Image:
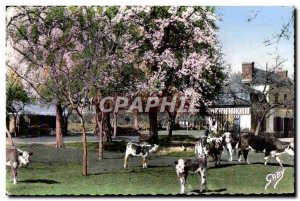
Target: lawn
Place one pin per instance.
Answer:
(65, 179)
(50, 174)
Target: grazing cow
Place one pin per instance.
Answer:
(142, 150)
(229, 143)
(183, 167)
(15, 158)
(271, 146)
(208, 146)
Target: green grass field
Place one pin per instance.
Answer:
(65, 179)
(52, 173)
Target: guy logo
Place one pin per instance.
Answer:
(274, 178)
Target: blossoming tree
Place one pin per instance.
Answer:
(178, 48)
(40, 41)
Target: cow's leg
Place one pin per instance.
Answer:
(278, 160)
(13, 175)
(240, 156)
(245, 154)
(229, 151)
(126, 160)
(266, 160)
(182, 179)
(267, 155)
(203, 182)
(216, 157)
(221, 154)
(219, 158)
(144, 162)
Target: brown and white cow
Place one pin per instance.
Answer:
(142, 150)
(271, 146)
(197, 165)
(15, 158)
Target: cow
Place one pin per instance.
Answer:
(216, 150)
(207, 146)
(229, 144)
(142, 150)
(202, 147)
(197, 165)
(271, 146)
(15, 158)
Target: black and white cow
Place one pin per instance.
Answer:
(197, 165)
(271, 146)
(15, 158)
(229, 143)
(207, 146)
(142, 150)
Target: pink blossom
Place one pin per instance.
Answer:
(56, 33)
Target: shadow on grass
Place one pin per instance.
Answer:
(255, 163)
(273, 164)
(209, 191)
(43, 181)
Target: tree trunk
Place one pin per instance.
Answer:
(99, 130)
(15, 125)
(153, 132)
(136, 121)
(7, 122)
(84, 146)
(259, 122)
(65, 125)
(171, 124)
(58, 130)
(106, 127)
(257, 127)
(115, 124)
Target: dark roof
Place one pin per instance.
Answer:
(233, 94)
(262, 77)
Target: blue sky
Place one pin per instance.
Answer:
(242, 41)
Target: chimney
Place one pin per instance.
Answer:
(247, 71)
(282, 74)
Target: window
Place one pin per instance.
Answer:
(285, 100)
(278, 124)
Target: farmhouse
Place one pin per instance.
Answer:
(235, 107)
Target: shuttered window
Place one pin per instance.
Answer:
(278, 124)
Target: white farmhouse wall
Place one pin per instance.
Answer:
(245, 122)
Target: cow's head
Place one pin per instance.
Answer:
(154, 148)
(217, 143)
(290, 149)
(24, 157)
(180, 164)
(226, 138)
